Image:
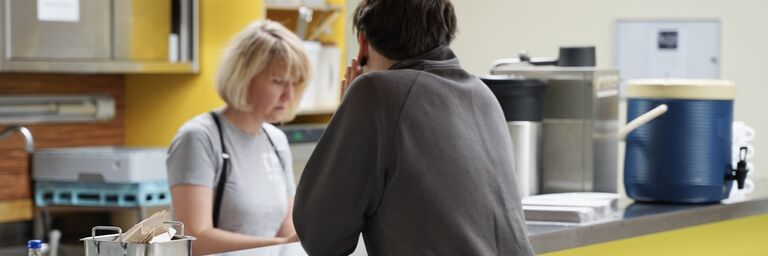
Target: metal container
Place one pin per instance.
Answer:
(520, 99)
(112, 245)
(580, 122)
(526, 138)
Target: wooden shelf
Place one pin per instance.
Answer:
(322, 28)
(322, 18)
(15, 210)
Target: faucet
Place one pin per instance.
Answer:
(29, 142)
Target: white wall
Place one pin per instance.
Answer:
(491, 29)
(349, 36)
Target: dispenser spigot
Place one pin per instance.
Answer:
(740, 174)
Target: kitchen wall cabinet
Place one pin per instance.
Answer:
(99, 36)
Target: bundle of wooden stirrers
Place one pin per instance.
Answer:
(150, 230)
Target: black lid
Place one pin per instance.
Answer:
(507, 85)
(520, 98)
(576, 56)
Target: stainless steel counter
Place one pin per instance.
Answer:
(636, 219)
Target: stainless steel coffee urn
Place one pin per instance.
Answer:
(580, 122)
(520, 100)
(579, 145)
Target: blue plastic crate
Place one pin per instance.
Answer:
(153, 193)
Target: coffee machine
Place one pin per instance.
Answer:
(580, 106)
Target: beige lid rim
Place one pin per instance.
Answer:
(694, 89)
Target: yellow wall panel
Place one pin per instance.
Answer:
(156, 105)
(150, 28)
(340, 26)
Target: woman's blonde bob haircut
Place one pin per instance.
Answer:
(262, 46)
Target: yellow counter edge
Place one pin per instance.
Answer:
(743, 236)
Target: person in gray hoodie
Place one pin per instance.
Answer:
(418, 157)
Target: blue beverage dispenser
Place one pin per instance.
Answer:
(678, 144)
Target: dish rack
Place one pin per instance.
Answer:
(154, 193)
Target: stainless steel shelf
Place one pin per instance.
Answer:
(95, 67)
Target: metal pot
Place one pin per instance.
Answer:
(112, 245)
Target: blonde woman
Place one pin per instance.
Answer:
(230, 170)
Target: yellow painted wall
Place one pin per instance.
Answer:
(150, 29)
(745, 236)
(156, 105)
(338, 37)
(339, 27)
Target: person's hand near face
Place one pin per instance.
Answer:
(353, 71)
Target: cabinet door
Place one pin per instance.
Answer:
(58, 29)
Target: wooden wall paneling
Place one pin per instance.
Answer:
(14, 179)
(14, 166)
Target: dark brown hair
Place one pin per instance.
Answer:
(402, 29)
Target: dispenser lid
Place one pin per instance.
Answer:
(691, 89)
(512, 85)
(520, 98)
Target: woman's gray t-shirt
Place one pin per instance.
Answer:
(258, 187)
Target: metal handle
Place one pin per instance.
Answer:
(641, 120)
(503, 62)
(176, 223)
(523, 57)
(29, 142)
(98, 243)
(119, 231)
